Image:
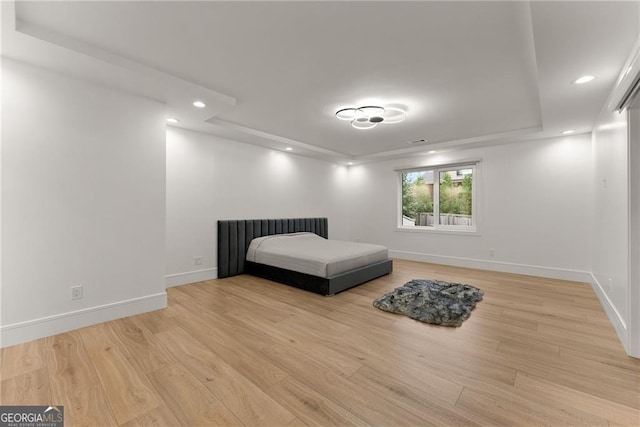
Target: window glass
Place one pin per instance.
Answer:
(456, 197)
(441, 197)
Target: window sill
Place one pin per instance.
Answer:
(431, 230)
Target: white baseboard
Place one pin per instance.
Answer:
(614, 316)
(30, 330)
(505, 267)
(191, 277)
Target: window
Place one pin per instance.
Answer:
(439, 197)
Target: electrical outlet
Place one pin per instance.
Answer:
(492, 252)
(197, 260)
(76, 292)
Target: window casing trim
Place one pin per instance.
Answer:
(436, 167)
(439, 165)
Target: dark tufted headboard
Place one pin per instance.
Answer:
(234, 237)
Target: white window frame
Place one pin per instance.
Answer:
(475, 166)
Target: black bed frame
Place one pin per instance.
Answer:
(234, 237)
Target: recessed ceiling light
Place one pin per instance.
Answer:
(583, 79)
(172, 120)
(199, 104)
(350, 163)
(289, 149)
(431, 152)
(568, 132)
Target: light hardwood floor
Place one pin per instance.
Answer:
(246, 351)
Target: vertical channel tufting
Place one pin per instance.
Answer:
(234, 238)
(233, 247)
(248, 233)
(223, 249)
(242, 246)
(257, 228)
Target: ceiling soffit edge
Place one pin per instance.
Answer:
(448, 145)
(176, 87)
(169, 88)
(275, 138)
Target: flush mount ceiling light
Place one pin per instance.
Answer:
(172, 120)
(583, 79)
(199, 104)
(369, 116)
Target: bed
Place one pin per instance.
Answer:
(340, 273)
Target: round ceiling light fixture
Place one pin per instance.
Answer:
(370, 111)
(394, 115)
(368, 116)
(363, 124)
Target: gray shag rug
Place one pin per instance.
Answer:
(432, 301)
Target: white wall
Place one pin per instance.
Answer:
(211, 178)
(534, 202)
(633, 301)
(609, 260)
(83, 203)
(616, 233)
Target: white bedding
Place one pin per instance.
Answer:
(311, 254)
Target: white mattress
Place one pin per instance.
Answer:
(311, 254)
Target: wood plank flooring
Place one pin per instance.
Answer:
(246, 351)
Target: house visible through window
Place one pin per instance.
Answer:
(439, 197)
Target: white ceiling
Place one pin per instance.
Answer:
(274, 73)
